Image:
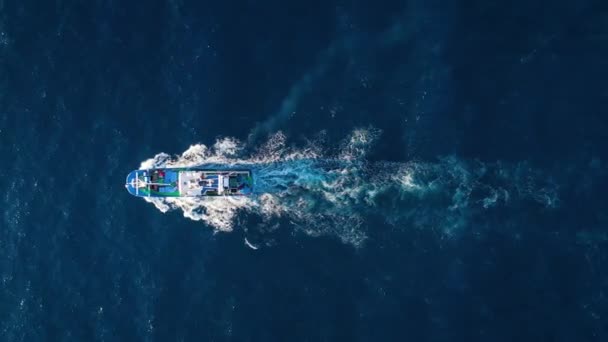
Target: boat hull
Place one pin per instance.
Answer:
(189, 182)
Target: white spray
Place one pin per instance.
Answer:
(322, 191)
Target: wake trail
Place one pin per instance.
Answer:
(323, 191)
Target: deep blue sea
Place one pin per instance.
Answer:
(426, 170)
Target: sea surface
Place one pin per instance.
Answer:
(425, 170)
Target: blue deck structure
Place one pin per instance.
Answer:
(189, 183)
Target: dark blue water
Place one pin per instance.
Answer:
(496, 110)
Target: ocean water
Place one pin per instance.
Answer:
(425, 170)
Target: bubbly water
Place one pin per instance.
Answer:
(332, 191)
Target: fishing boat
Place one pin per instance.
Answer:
(188, 182)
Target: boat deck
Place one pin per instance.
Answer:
(197, 183)
(189, 183)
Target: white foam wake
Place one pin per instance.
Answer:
(324, 191)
